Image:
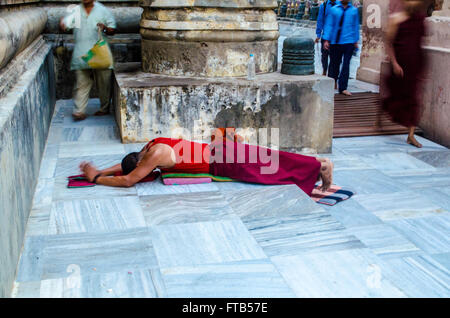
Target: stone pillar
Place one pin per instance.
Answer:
(375, 20)
(18, 28)
(435, 120)
(208, 38)
(445, 9)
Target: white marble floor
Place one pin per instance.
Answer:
(235, 239)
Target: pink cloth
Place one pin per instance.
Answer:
(292, 168)
(181, 181)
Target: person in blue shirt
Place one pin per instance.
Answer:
(341, 35)
(324, 11)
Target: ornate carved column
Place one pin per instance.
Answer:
(208, 38)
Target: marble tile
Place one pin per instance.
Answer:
(443, 258)
(204, 243)
(271, 202)
(394, 163)
(67, 150)
(97, 215)
(350, 213)
(238, 186)
(438, 195)
(59, 256)
(440, 177)
(39, 221)
(48, 166)
(88, 134)
(138, 284)
(418, 276)
(303, 233)
(258, 278)
(31, 260)
(348, 162)
(399, 205)
(349, 273)
(439, 159)
(70, 166)
(26, 290)
(384, 241)
(366, 181)
(91, 253)
(44, 193)
(387, 143)
(55, 135)
(158, 188)
(90, 120)
(431, 234)
(62, 192)
(51, 151)
(185, 208)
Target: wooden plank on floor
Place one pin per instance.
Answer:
(355, 116)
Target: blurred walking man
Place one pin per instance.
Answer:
(92, 15)
(341, 35)
(324, 11)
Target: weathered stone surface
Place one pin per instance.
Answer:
(25, 114)
(436, 114)
(375, 19)
(150, 105)
(18, 29)
(208, 38)
(211, 59)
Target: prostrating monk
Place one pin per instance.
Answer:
(222, 157)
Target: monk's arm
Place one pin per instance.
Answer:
(148, 164)
(111, 170)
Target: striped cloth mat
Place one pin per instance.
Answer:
(333, 195)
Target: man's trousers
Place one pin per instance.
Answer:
(85, 80)
(340, 53)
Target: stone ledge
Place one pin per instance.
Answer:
(25, 114)
(150, 105)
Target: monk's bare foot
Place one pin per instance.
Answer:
(412, 141)
(346, 92)
(326, 173)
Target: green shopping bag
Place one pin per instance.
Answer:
(99, 56)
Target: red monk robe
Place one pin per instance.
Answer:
(243, 162)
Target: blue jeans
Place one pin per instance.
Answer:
(340, 53)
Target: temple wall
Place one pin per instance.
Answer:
(27, 99)
(435, 120)
(25, 114)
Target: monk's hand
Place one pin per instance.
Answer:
(326, 45)
(89, 170)
(317, 40)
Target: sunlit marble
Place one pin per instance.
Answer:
(349, 273)
(185, 208)
(99, 215)
(431, 234)
(256, 278)
(236, 239)
(204, 243)
(398, 205)
(384, 241)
